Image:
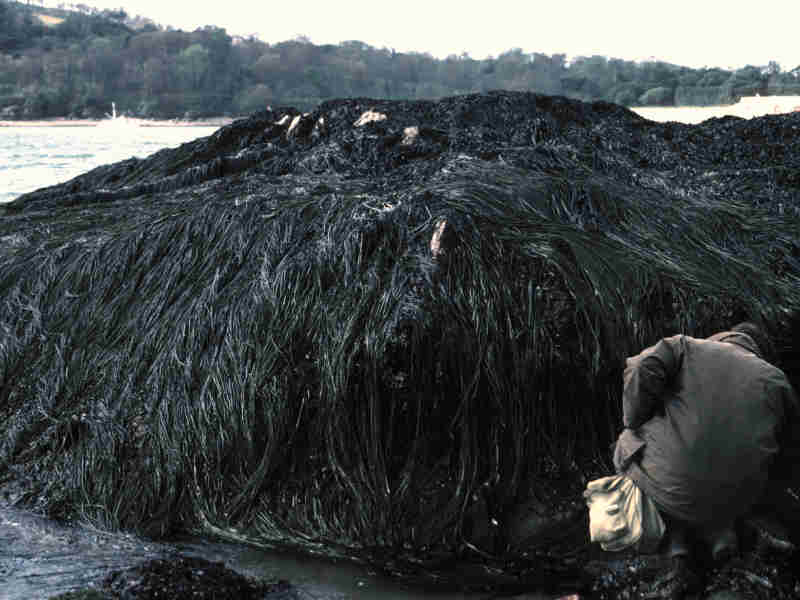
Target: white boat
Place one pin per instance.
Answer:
(115, 120)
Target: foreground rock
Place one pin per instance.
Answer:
(387, 331)
(181, 577)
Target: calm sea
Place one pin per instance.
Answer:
(36, 157)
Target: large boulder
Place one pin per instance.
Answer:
(379, 336)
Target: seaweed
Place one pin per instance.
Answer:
(377, 340)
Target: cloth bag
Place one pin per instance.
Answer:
(622, 516)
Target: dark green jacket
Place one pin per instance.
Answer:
(703, 420)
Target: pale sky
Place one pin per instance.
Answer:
(694, 33)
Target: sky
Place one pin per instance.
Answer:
(696, 33)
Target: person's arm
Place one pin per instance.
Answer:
(646, 376)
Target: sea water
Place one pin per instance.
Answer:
(36, 157)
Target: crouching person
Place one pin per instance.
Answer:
(704, 421)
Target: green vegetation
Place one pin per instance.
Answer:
(79, 66)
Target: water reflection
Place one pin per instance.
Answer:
(318, 578)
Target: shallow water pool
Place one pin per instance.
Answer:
(40, 558)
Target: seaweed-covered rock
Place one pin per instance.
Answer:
(383, 330)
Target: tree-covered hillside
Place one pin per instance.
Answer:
(57, 62)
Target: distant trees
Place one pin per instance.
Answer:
(193, 64)
(17, 28)
(91, 58)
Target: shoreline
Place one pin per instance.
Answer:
(213, 122)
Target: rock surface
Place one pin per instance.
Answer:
(181, 577)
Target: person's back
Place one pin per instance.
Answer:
(705, 421)
(713, 432)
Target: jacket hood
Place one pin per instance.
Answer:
(740, 339)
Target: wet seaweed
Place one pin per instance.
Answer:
(373, 342)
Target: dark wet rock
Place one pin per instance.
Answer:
(751, 575)
(182, 577)
(87, 594)
(178, 578)
(727, 595)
